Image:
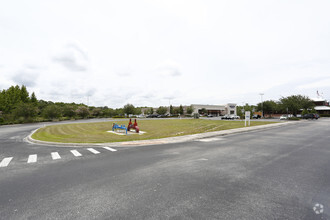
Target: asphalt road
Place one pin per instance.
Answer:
(278, 173)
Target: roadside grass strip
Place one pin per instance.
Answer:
(5, 162)
(32, 158)
(101, 132)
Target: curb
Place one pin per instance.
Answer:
(168, 140)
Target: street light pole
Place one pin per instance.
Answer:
(262, 105)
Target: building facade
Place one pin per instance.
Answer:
(321, 105)
(216, 110)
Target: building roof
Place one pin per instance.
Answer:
(209, 107)
(318, 99)
(323, 108)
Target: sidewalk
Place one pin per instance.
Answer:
(169, 140)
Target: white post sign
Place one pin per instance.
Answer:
(247, 117)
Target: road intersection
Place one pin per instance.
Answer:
(275, 173)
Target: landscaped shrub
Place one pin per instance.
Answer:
(294, 119)
(324, 115)
(118, 116)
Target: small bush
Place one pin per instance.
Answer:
(324, 115)
(118, 116)
(294, 119)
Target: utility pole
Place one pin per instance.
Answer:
(262, 105)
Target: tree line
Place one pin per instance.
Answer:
(294, 104)
(17, 106)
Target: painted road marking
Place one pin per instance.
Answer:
(32, 158)
(93, 150)
(209, 139)
(110, 149)
(76, 153)
(318, 208)
(5, 161)
(55, 156)
(202, 159)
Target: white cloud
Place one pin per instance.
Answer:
(315, 85)
(168, 68)
(145, 52)
(73, 58)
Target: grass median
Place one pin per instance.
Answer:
(98, 132)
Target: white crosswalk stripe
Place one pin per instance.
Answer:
(110, 149)
(32, 158)
(76, 153)
(55, 156)
(93, 150)
(5, 161)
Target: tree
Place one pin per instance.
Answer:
(96, 112)
(176, 111)
(24, 94)
(150, 111)
(171, 110)
(138, 111)
(107, 112)
(129, 109)
(25, 110)
(51, 111)
(161, 110)
(204, 111)
(34, 99)
(181, 111)
(190, 110)
(296, 102)
(242, 109)
(268, 107)
(69, 111)
(83, 111)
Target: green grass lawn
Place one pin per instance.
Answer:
(97, 132)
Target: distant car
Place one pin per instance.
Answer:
(152, 116)
(256, 116)
(283, 117)
(311, 116)
(224, 117)
(210, 116)
(229, 117)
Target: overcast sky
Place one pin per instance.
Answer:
(152, 52)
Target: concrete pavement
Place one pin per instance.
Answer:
(278, 173)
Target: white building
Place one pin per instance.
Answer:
(321, 105)
(216, 110)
